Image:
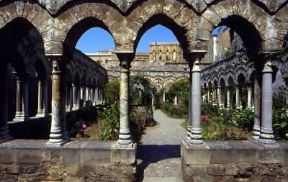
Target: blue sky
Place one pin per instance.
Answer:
(97, 39)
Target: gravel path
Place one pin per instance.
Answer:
(159, 153)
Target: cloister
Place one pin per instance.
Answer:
(38, 38)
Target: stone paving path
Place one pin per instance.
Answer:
(159, 151)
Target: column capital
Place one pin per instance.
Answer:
(267, 67)
(194, 56)
(56, 60)
(125, 58)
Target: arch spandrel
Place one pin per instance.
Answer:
(73, 22)
(245, 9)
(174, 15)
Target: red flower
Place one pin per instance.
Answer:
(204, 118)
(83, 126)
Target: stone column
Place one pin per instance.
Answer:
(26, 98)
(267, 135)
(94, 96)
(188, 137)
(125, 134)
(196, 105)
(78, 97)
(74, 95)
(4, 131)
(58, 123)
(164, 96)
(40, 109)
(46, 97)
(257, 106)
(229, 97)
(71, 97)
(219, 94)
(209, 95)
(237, 97)
(214, 96)
(19, 100)
(249, 96)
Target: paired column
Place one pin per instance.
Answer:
(58, 133)
(257, 107)
(188, 137)
(249, 96)
(229, 97)
(40, 108)
(26, 98)
(238, 104)
(74, 95)
(219, 95)
(19, 100)
(125, 134)
(267, 135)
(4, 131)
(195, 100)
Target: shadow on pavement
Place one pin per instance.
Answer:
(149, 154)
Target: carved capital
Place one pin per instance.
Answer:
(194, 58)
(267, 67)
(125, 59)
(55, 61)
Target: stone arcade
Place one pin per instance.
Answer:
(37, 33)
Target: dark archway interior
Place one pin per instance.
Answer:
(248, 33)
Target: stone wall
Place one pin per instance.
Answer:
(34, 160)
(235, 161)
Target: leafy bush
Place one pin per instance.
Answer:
(244, 118)
(280, 115)
(280, 123)
(216, 128)
(175, 111)
(111, 92)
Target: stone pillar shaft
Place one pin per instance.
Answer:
(237, 97)
(46, 97)
(58, 124)
(74, 95)
(249, 96)
(19, 100)
(257, 108)
(4, 131)
(196, 106)
(228, 97)
(26, 99)
(267, 135)
(124, 133)
(188, 137)
(40, 109)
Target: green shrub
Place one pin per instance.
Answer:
(244, 118)
(175, 111)
(280, 123)
(111, 92)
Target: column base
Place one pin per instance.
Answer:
(40, 114)
(256, 133)
(267, 136)
(188, 135)
(56, 143)
(120, 145)
(19, 117)
(124, 139)
(195, 136)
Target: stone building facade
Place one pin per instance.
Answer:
(162, 65)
